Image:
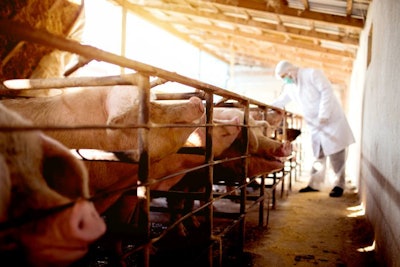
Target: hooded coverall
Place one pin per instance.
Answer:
(314, 94)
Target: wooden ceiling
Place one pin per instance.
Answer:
(314, 33)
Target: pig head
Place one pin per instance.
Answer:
(259, 144)
(224, 134)
(39, 174)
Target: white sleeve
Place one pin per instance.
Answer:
(282, 100)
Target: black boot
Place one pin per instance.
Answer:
(308, 189)
(336, 192)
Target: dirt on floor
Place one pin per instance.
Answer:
(307, 229)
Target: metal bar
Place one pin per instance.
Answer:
(144, 162)
(25, 32)
(51, 83)
(209, 157)
(243, 191)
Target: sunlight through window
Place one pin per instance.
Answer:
(368, 248)
(356, 211)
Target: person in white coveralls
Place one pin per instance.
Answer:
(329, 128)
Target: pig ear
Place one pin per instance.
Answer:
(253, 141)
(5, 189)
(121, 101)
(62, 171)
(262, 123)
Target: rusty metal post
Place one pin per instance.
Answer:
(143, 145)
(243, 191)
(262, 185)
(208, 159)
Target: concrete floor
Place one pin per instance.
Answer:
(308, 229)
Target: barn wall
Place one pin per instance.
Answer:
(375, 91)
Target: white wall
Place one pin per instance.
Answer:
(375, 93)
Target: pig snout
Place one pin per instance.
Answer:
(62, 239)
(284, 150)
(197, 105)
(196, 109)
(85, 222)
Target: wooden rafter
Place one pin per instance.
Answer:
(258, 33)
(347, 22)
(349, 7)
(208, 32)
(306, 5)
(273, 27)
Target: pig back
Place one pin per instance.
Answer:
(111, 106)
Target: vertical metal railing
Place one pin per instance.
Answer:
(210, 170)
(143, 146)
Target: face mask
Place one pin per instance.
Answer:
(288, 80)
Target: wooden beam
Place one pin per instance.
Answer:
(209, 32)
(349, 7)
(335, 68)
(267, 42)
(347, 22)
(218, 17)
(306, 5)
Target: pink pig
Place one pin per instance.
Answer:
(111, 106)
(38, 174)
(259, 143)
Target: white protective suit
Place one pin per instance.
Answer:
(315, 96)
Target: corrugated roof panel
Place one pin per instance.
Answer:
(333, 7)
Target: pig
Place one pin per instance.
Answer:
(117, 105)
(259, 143)
(224, 134)
(266, 152)
(275, 119)
(112, 106)
(37, 174)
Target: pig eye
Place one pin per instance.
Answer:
(56, 172)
